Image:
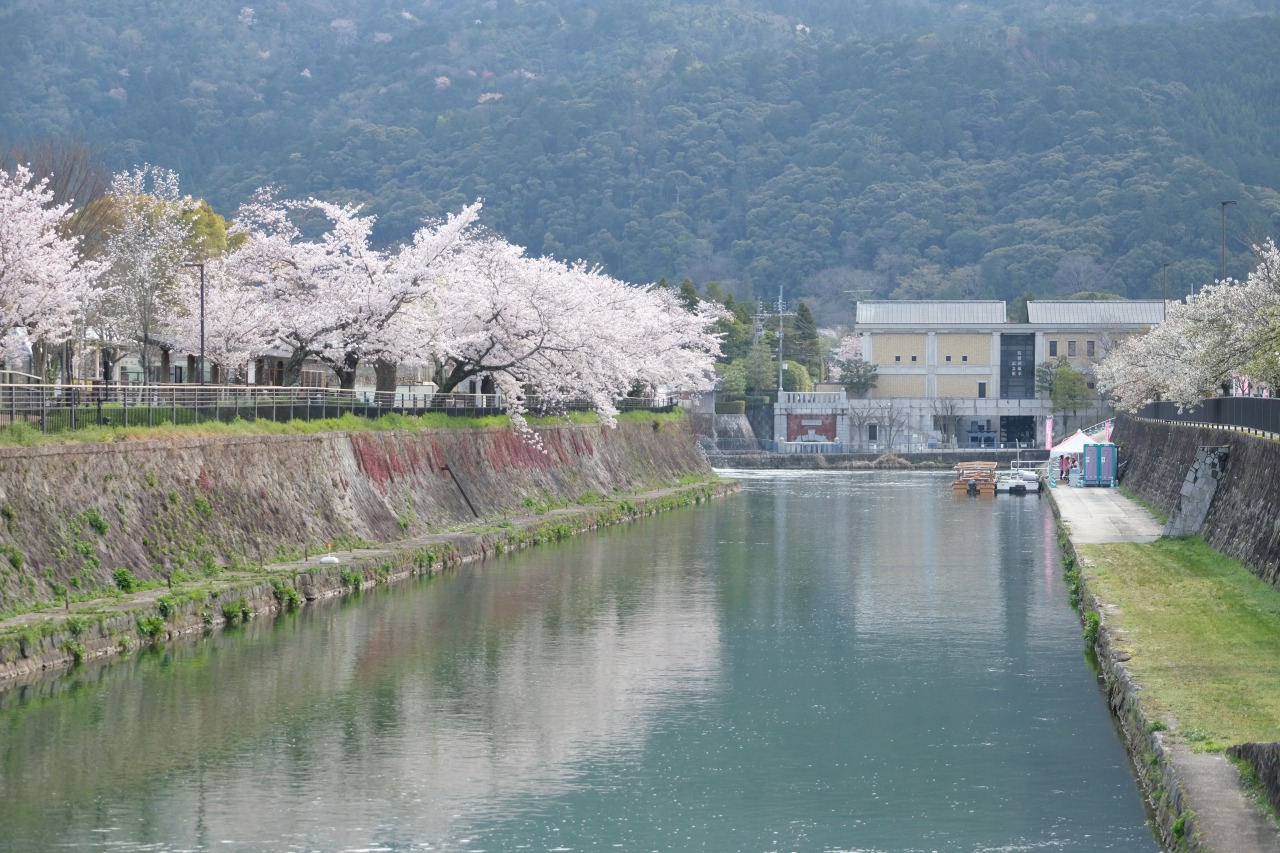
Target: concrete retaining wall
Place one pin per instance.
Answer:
(72, 515)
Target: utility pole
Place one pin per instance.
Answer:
(1224, 237)
(781, 311)
(200, 266)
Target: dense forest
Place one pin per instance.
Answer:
(888, 148)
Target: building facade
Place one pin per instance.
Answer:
(957, 373)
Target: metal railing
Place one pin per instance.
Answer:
(60, 408)
(1252, 414)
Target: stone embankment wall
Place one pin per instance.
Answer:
(1244, 519)
(72, 515)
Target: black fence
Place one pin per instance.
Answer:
(1252, 414)
(61, 408)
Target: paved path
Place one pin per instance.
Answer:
(1095, 516)
(1226, 821)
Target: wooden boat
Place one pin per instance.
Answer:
(975, 478)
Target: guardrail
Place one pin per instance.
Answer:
(1259, 415)
(59, 408)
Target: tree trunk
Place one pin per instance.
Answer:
(346, 371)
(293, 368)
(385, 382)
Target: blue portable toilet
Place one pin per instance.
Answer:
(1098, 465)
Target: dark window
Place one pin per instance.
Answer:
(982, 390)
(1088, 348)
(871, 432)
(1071, 348)
(948, 358)
(897, 358)
(1053, 349)
(964, 358)
(1017, 367)
(913, 358)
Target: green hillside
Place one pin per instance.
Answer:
(904, 149)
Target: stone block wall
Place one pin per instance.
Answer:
(1244, 518)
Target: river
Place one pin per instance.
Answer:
(853, 661)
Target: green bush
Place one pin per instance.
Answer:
(1091, 623)
(731, 407)
(151, 627)
(125, 580)
(94, 519)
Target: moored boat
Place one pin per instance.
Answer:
(975, 478)
(1019, 482)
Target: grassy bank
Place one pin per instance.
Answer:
(25, 435)
(1203, 633)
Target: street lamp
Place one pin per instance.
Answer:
(1224, 237)
(200, 265)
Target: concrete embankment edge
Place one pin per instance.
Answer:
(1162, 765)
(62, 640)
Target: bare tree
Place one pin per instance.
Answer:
(894, 420)
(76, 177)
(946, 418)
(859, 417)
(1077, 272)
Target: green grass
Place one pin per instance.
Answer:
(24, 435)
(1204, 635)
(1145, 504)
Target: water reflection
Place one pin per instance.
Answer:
(827, 661)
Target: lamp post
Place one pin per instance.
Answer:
(200, 265)
(1224, 237)
(1164, 281)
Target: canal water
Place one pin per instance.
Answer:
(825, 662)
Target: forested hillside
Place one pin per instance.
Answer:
(905, 149)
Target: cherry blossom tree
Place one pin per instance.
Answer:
(44, 283)
(561, 331)
(144, 251)
(1229, 329)
(336, 298)
(239, 323)
(848, 367)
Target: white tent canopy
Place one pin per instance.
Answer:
(1074, 444)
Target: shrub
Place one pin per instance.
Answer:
(151, 627)
(286, 595)
(15, 556)
(1091, 622)
(94, 519)
(125, 580)
(75, 649)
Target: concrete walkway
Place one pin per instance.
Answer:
(1226, 822)
(1095, 516)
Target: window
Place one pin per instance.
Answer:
(948, 358)
(1091, 385)
(1088, 348)
(897, 358)
(964, 358)
(913, 358)
(871, 432)
(1071, 348)
(982, 390)
(1053, 349)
